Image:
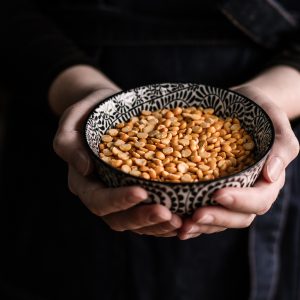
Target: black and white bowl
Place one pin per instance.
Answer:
(180, 198)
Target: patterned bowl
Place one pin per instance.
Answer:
(180, 198)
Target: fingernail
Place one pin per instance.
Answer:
(207, 219)
(274, 168)
(224, 199)
(82, 163)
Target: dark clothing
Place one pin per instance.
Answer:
(45, 37)
(48, 233)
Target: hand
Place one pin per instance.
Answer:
(116, 206)
(239, 206)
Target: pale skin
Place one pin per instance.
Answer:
(78, 89)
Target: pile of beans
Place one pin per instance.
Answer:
(179, 145)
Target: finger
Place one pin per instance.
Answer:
(190, 227)
(221, 217)
(138, 217)
(170, 234)
(207, 229)
(253, 200)
(68, 142)
(101, 200)
(188, 236)
(162, 229)
(199, 230)
(204, 230)
(286, 145)
(285, 148)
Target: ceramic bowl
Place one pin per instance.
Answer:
(180, 198)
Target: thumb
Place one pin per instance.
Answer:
(285, 147)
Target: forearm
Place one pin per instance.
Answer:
(282, 85)
(75, 83)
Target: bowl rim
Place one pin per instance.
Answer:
(171, 183)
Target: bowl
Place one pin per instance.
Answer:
(180, 198)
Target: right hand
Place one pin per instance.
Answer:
(116, 206)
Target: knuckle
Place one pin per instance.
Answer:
(282, 182)
(262, 210)
(294, 147)
(248, 221)
(116, 227)
(58, 144)
(236, 203)
(92, 203)
(66, 113)
(96, 210)
(71, 186)
(291, 143)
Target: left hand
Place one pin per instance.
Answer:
(239, 206)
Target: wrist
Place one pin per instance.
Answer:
(282, 85)
(73, 84)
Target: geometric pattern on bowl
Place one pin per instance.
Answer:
(180, 198)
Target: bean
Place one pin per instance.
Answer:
(180, 145)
